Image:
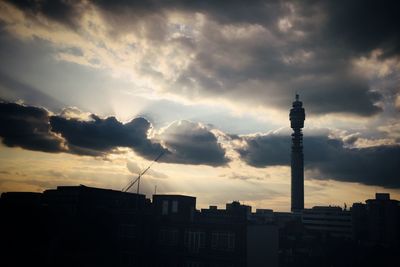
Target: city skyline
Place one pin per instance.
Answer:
(93, 91)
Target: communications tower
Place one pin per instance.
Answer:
(297, 117)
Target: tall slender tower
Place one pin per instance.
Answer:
(297, 117)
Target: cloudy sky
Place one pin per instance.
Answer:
(92, 91)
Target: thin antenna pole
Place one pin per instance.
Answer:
(137, 193)
(130, 184)
(138, 186)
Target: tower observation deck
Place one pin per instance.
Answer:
(297, 117)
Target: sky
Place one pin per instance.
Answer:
(92, 91)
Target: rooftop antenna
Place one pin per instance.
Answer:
(137, 180)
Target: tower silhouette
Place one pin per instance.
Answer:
(297, 117)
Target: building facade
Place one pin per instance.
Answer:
(86, 226)
(329, 221)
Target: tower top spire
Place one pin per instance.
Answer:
(297, 114)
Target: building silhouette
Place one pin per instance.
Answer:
(328, 221)
(297, 117)
(377, 221)
(86, 226)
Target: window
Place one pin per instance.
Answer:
(128, 231)
(164, 207)
(223, 241)
(194, 240)
(127, 259)
(168, 236)
(192, 264)
(174, 206)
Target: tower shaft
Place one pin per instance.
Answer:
(297, 172)
(297, 117)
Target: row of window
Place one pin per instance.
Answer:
(326, 218)
(194, 240)
(165, 208)
(128, 231)
(200, 264)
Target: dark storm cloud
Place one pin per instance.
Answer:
(377, 165)
(361, 24)
(312, 52)
(35, 129)
(63, 11)
(185, 142)
(279, 62)
(365, 25)
(225, 11)
(100, 136)
(353, 95)
(266, 150)
(192, 143)
(28, 127)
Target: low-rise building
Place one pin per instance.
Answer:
(329, 221)
(378, 220)
(211, 237)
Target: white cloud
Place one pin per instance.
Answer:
(397, 102)
(373, 66)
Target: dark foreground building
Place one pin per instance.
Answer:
(211, 237)
(85, 226)
(74, 226)
(377, 221)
